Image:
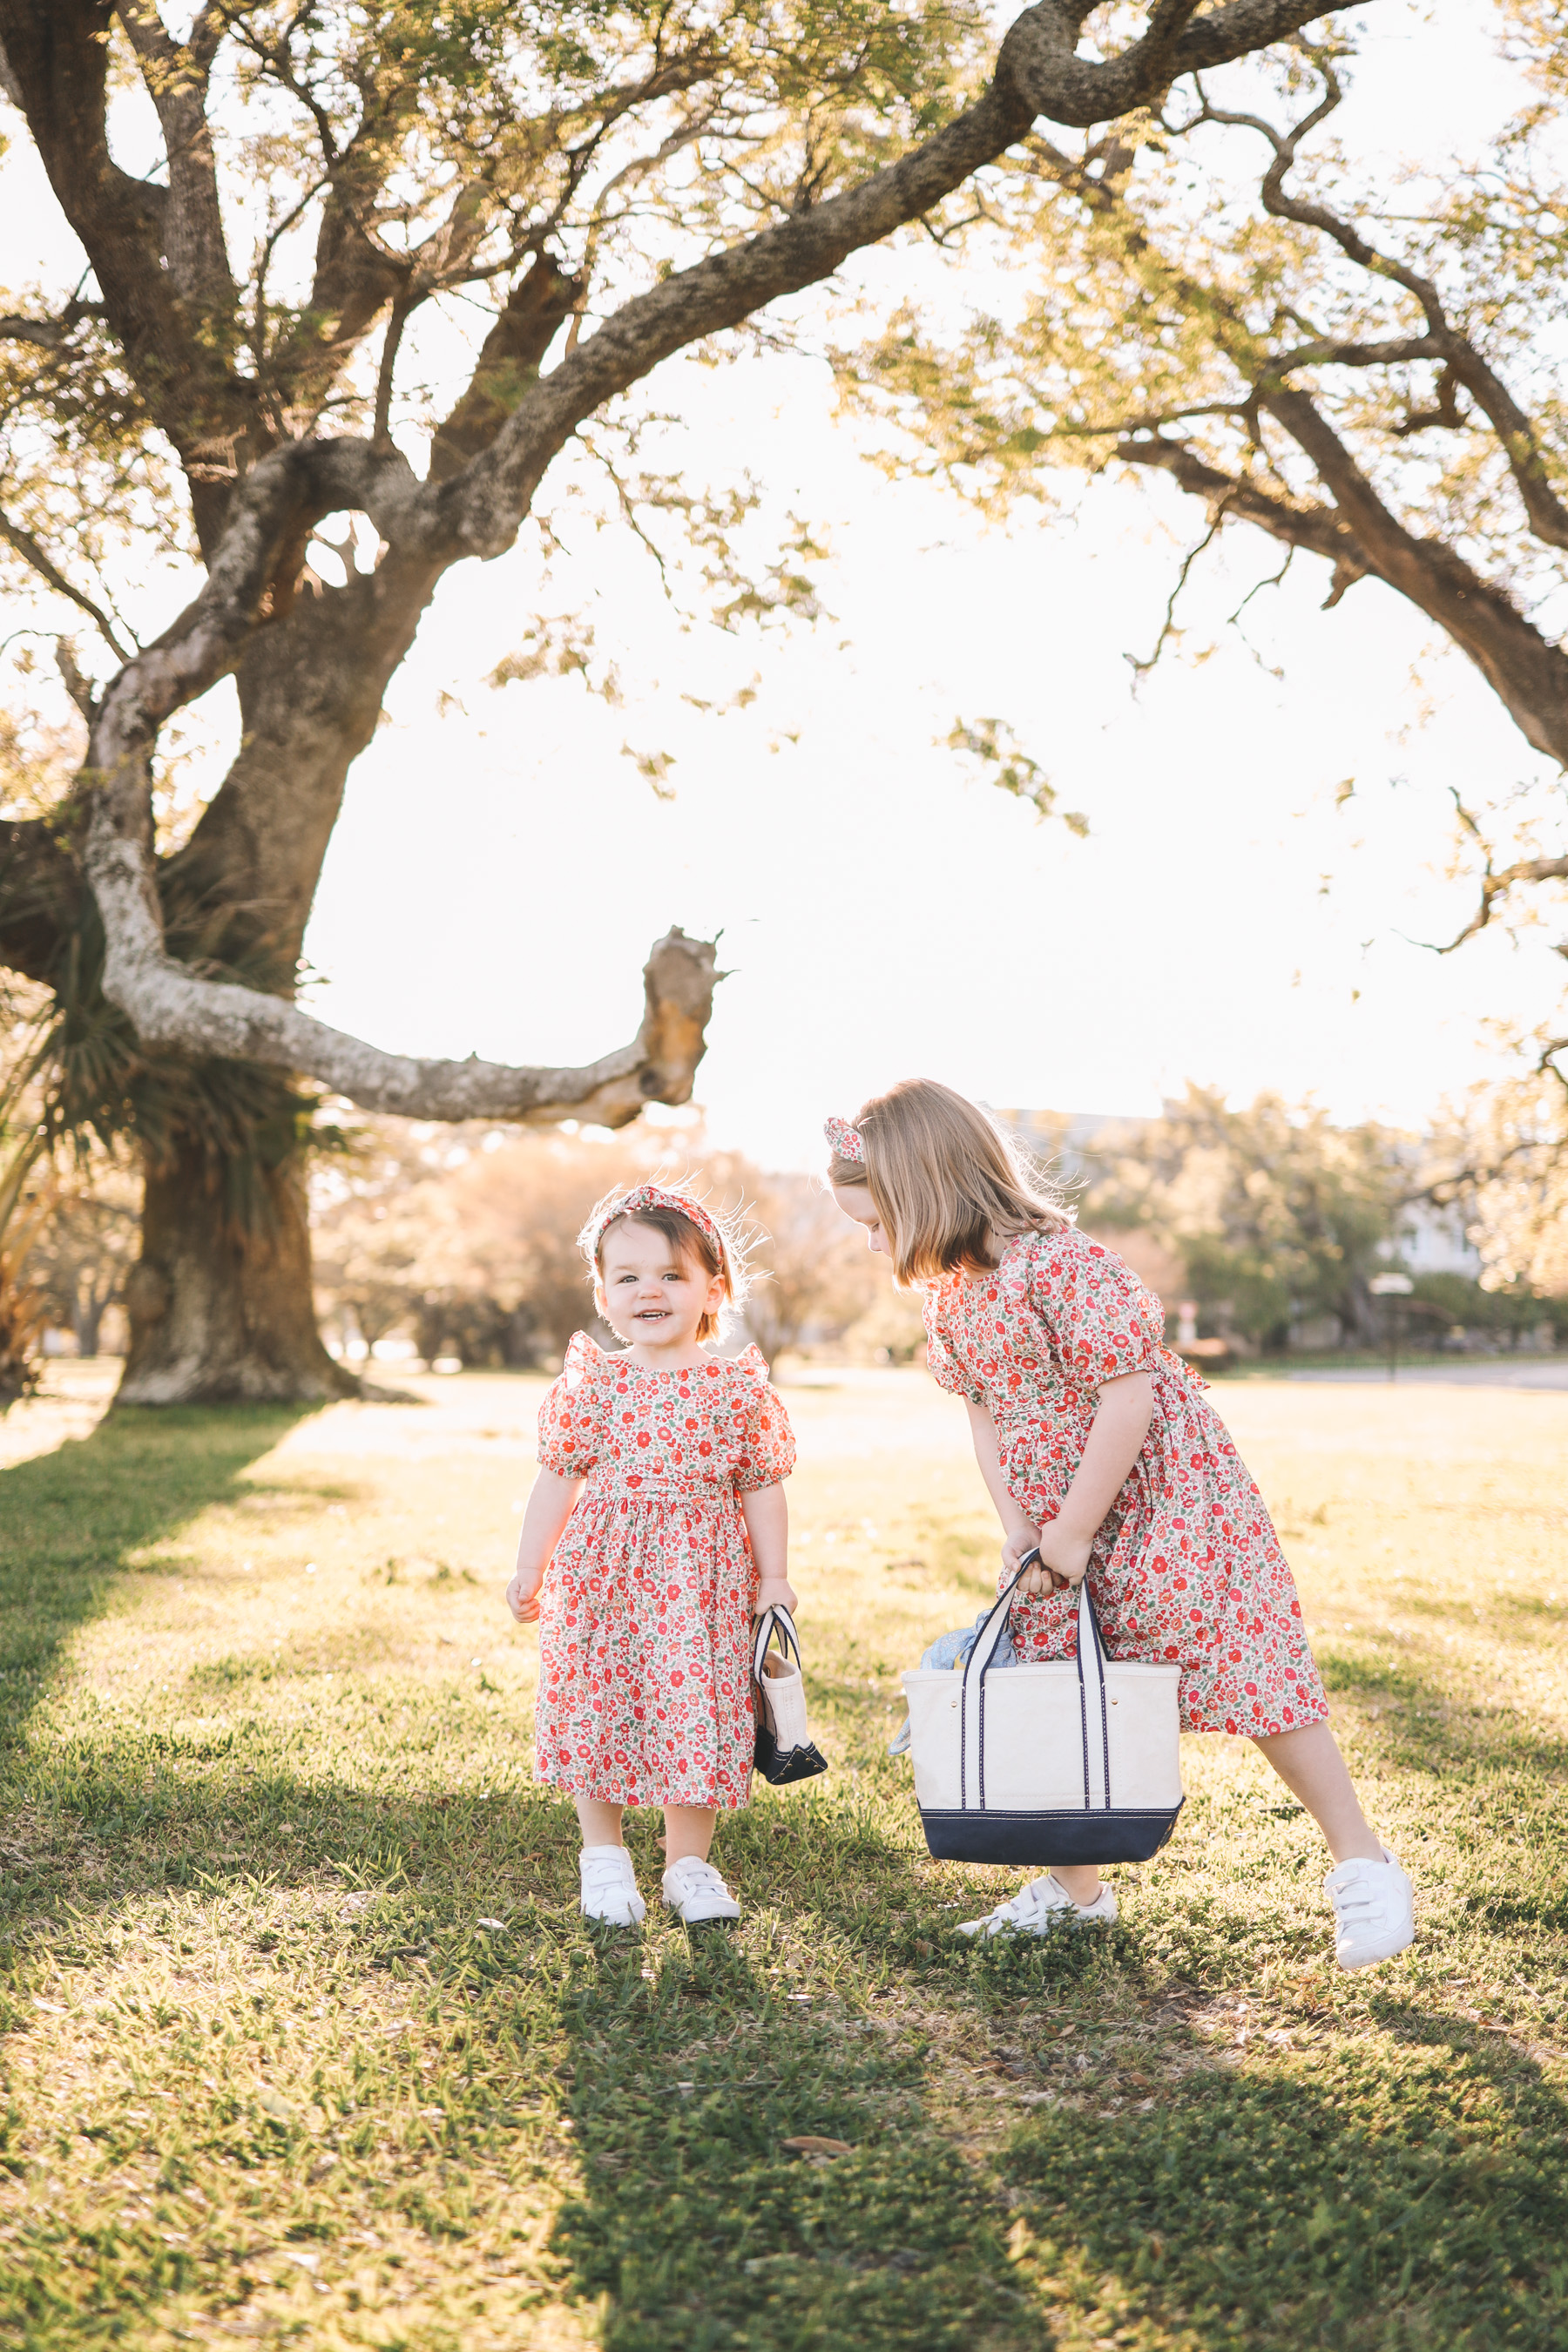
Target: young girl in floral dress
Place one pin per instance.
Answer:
(1100, 1450)
(656, 1527)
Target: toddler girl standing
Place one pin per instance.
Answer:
(659, 1517)
(1100, 1450)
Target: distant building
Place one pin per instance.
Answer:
(1065, 1139)
(1433, 1241)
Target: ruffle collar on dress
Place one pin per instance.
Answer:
(586, 1360)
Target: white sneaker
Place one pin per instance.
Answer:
(610, 1887)
(696, 1890)
(1374, 1911)
(1036, 1908)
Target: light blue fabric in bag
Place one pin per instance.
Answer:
(951, 1651)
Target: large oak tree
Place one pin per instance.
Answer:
(613, 182)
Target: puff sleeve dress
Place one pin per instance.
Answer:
(645, 1616)
(1186, 1568)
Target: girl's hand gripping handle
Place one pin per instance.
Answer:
(1038, 1576)
(1052, 1558)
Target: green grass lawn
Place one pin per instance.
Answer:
(304, 2040)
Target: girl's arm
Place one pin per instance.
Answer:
(1115, 1441)
(549, 1508)
(766, 1515)
(1020, 1533)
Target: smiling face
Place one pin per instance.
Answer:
(856, 1202)
(652, 1295)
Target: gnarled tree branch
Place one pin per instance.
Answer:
(48, 334)
(1528, 673)
(1359, 535)
(1516, 437)
(507, 366)
(1037, 73)
(1496, 882)
(1320, 529)
(1039, 55)
(29, 548)
(169, 1007)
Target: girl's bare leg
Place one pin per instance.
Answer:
(1081, 1880)
(687, 1829)
(600, 1824)
(1310, 1763)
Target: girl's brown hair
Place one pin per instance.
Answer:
(687, 1241)
(944, 1178)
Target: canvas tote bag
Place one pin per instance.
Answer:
(785, 1750)
(1073, 1761)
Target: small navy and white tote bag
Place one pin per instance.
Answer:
(1075, 1760)
(785, 1750)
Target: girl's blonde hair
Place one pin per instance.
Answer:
(944, 1178)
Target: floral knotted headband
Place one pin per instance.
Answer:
(634, 1203)
(845, 1138)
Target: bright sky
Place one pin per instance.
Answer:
(500, 868)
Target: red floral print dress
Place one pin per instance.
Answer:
(1187, 1567)
(645, 1690)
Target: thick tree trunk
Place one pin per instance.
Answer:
(220, 1308)
(221, 1311)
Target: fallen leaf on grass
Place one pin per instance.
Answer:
(809, 2144)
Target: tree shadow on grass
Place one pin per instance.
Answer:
(72, 1518)
(692, 2064)
(698, 2223)
(1402, 2198)
(1428, 1726)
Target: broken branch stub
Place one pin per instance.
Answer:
(172, 1008)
